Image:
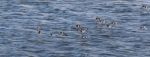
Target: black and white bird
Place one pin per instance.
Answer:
(143, 28)
(63, 33)
(100, 20)
(81, 28)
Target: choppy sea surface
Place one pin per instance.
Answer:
(20, 21)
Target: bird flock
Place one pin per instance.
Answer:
(100, 22)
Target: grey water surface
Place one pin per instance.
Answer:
(20, 19)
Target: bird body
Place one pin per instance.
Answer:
(143, 28)
(63, 34)
(80, 28)
(39, 29)
(100, 21)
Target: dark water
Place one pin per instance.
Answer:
(19, 20)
